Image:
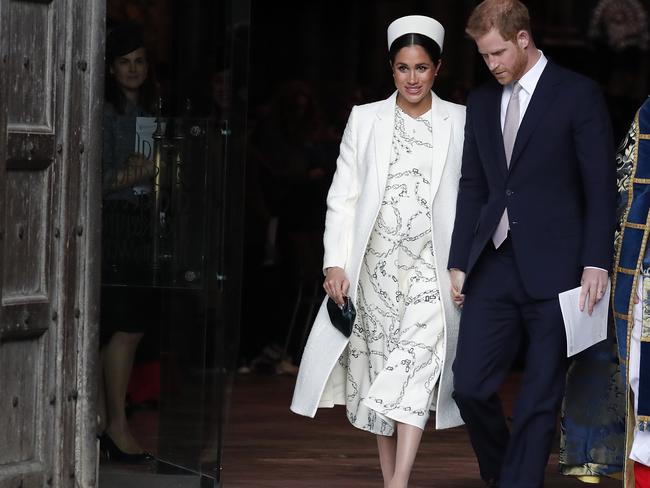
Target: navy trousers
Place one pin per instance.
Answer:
(497, 314)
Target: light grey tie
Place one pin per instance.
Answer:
(510, 128)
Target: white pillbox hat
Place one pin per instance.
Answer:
(416, 24)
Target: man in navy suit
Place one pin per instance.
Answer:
(535, 217)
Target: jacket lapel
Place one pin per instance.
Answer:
(493, 114)
(383, 135)
(543, 96)
(441, 126)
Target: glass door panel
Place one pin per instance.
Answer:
(173, 234)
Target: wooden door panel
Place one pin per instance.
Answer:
(50, 124)
(19, 412)
(27, 296)
(31, 57)
(30, 152)
(26, 242)
(24, 475)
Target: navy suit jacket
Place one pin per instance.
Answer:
(560, 190)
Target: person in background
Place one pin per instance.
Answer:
(390, 211)
(592, 443)
(631, 291)
(127, 178)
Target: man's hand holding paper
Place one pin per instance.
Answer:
(594, 283)
(585, 326)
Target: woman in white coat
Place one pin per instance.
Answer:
(390, 215)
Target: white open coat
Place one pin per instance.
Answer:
(353, 203)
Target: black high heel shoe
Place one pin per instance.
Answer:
(113, 453)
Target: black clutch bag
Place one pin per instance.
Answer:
(342, 317)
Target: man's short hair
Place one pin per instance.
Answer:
(509, 17)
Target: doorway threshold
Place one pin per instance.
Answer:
(164, 475)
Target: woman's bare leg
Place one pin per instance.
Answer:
(408, 442)
(387, 455)
(117, 361)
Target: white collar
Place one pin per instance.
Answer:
(530, 79)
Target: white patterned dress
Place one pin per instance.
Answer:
(395, 353)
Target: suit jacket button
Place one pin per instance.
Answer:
(509, 192)
(514, 222)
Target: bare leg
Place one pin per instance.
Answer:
(408, 442)
(117, 360)
(387, 451)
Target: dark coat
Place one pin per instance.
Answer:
(560, 190)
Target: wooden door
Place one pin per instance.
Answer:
(50, 133)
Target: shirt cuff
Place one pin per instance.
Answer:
(596, 267)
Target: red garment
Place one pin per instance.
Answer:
(144, 384)
(641, 475)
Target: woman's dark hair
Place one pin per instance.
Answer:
(123, 40)
(428, 44)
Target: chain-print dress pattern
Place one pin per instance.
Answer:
(395, 353)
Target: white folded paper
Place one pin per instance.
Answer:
(583, 330)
